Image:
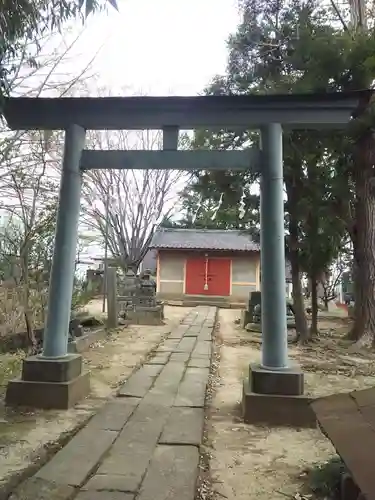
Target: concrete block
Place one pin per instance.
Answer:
(36, 368)
(47, 395)
(286, 382)
(276, 410)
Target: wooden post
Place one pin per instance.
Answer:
(112, 298)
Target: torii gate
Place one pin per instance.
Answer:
(55, 378)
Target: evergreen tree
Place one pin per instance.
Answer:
(284, 47)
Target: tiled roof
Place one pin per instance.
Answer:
(204, 239)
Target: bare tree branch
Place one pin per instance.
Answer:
(29, 175)
(139, 200)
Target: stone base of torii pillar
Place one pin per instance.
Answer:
(276, 398)
(49, 383)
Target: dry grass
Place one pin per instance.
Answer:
(250, 462)
(10, 367)
(12, 309)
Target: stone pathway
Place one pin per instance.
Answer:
(143, 445)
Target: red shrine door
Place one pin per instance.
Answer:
(208, 276)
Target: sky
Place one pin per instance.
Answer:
(148, 47)
(161, 47)
(158, 47)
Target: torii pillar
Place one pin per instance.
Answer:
(54, 379)
(273, 393)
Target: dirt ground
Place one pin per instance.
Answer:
(249, 462)
(25, 437)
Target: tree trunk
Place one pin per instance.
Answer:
(314, 307)
(30, 332)
(298, 301)
(293, 254)
(364, 244)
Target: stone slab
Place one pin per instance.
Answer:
(184, 427)
(168, 345)
(193, 331)
(164, 349)
(189, 319)
(203, 362)
(114, 415)
(186, 344)
(108, 482)
(178, 332)
(35, 488)
(140, 382)
(180, 357)
(202, 349)
(103, 495)
(277, 410)
(172, 474)
(204, 337)
(171, 342)
(38, 369)
(47, 395)
(192, 390)
(166, 385)
(73, 463)
(159, 359)
(176, 335)
(206, 330)
(130, 455)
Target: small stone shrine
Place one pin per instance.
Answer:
(137, 300)
(252, 315)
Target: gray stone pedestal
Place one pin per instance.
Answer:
(276, 398)
(246, 317)
(49, 383)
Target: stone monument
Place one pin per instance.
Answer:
(252, 315)
(137, 300)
